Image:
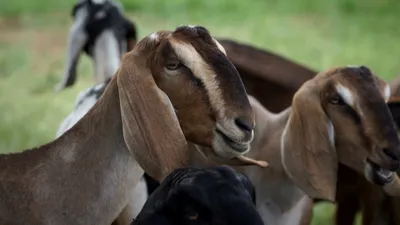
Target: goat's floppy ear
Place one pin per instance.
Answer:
(150, 126)
(308, 151)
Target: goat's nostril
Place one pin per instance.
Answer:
(244, 123)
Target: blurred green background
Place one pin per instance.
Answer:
(315, 33)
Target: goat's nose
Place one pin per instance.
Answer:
(245, 123)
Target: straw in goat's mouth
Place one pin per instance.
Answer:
(235, 161)
(252, 161)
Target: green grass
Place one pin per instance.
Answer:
(316, 33)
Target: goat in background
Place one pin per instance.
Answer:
(196, 196)
(339, 116)
(103, 33)
(260, 69)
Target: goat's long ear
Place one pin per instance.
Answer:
(308, 151)
(150, 126)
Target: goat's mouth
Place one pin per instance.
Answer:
(376, 174)
(232, 145)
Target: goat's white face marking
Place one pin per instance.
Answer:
(200, 69)
(346, 94)
(387, 92)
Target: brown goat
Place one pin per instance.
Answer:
(305, 143)
(259, 69)
(142, 121)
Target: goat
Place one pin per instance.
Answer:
(258, 69)
(140, 123)
(191, 195)
(305, 143)
(103, 33)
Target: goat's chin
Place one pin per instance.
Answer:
(376, 174)
(228, 149)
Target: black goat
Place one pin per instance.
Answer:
(103, 33)
(191, 195)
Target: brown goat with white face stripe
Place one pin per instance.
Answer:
(339, 116)
(87, 175)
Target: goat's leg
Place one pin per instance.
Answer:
(76, 40)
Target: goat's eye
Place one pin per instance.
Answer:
(173, 65)
(336, 100)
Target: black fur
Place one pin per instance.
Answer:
(194, 196)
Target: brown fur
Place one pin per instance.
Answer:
(270, 78)
(87, 175)
(304, 160)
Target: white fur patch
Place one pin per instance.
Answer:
(192, 26)
(387, 92)
(346, 94)
(153, 36)
(222, 49)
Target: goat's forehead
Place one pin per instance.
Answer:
(353, 90)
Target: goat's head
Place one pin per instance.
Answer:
(202, 196)
(204, 87)
(340, 116)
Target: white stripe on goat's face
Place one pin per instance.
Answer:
(346, 94)
(201, 70)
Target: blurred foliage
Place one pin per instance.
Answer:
(315, 33)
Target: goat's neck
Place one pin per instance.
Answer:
(90, 165)
(279, 200)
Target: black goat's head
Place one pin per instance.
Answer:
(193, 196)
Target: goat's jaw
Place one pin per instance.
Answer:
(227, 148)
(376, 174)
